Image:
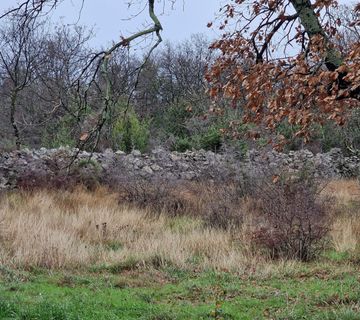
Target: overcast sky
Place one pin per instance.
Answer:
(111, 19)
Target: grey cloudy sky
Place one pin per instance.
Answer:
(112, 18)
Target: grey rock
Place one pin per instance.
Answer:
(188, 175)
(175, 157)
(148, 170)
(136, 153)
(156, 167)
(173, 165)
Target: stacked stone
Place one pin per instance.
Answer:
(163, 164)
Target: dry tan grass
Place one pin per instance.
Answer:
(81, 229)
(345, 232)
(344, 191)
(69, 230)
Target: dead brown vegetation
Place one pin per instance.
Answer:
(82, 228)
(345, 231)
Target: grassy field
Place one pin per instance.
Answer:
(81, 255)
(317, 291)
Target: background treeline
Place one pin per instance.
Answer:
(50, 97)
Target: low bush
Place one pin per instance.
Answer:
(83, 172)
(129, 133)
(182, 144)
(218, 204)
(33, 180)
(61, 134)
(157, 196)
(221, 204)
(210, 139)
(293, 219)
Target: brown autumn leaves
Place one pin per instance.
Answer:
(275, 70)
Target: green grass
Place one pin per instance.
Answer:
(325, 290)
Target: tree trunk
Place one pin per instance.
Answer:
(312, 26)
(13, 121)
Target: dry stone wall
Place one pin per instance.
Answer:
(163, 164)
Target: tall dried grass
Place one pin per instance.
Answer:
(81, 228)
(345, 232)
(346, 192)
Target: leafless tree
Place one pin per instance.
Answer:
(20, 49)
(29, 11)
(349, 32)
(65, 53)
(182, 69)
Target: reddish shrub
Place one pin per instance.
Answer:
(293, 218)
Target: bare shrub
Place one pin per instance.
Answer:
(220, 204)
(155, 195)
(293, 218)
(83, 173)
(34, 180)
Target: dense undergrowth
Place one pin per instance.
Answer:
(286, 248)
(283, 216)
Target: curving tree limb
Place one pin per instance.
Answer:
(29, 11)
